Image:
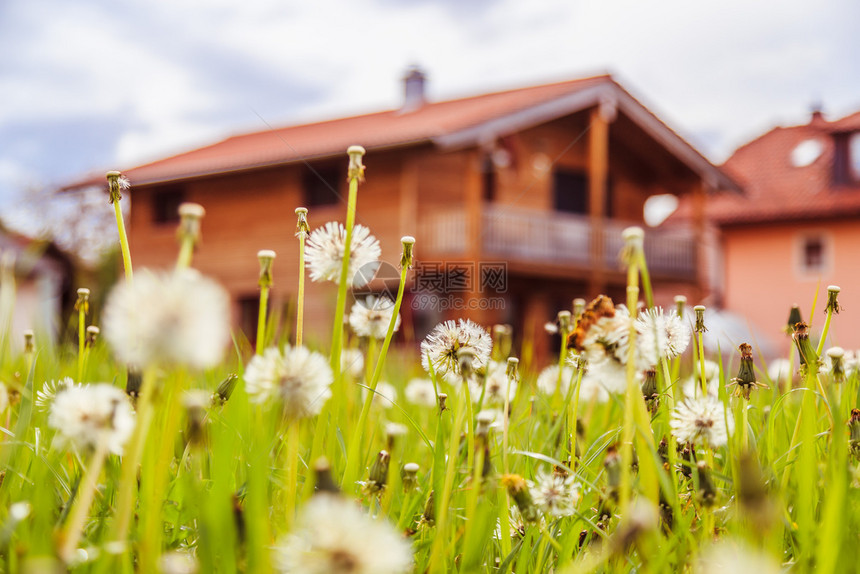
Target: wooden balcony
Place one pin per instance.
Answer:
(552, 241)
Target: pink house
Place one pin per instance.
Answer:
(796, 230)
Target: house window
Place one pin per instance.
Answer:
(814, 254)
(321, 185)
(165, 204)
(570, 191)
(488, 178)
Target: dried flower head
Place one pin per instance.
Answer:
(325, 249)
(334, 536)
(92, 415)
(443, 346)
(554, 494)
(745, 381)
(702, 419)
(372, 316)
(175, 318)
(298, 378)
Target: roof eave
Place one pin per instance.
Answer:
(714, 178)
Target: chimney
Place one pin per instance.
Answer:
(413, 89)
(817, 117)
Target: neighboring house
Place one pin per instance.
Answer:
(540, 180)
(797, 229)
(38, 292)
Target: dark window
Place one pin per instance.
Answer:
(249, 310)
(813, 254)
(165, 204)
(488, 178)
(570, 191)
(322, 184)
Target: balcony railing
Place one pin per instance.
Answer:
(540, 237)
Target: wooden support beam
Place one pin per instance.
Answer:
(698, 203)
(598, 176)
(474, 205)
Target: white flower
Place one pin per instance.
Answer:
(371, 317)
(299, 378)
(179, 317)
(420, 392)
(4, 398)
(736, 557)
(384, 396)
(610, 375)
(324, 254)
(692, 385)
(661, 336)
(86, 416)
(554, 494)
(178, 562)
(703, 418)
(496, 384)
(608, 338)
(334, 536)
(442, 345)
(352, 362)
(779, 371)
(547, 380)
(45, 396)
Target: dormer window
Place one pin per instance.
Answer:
(806, 152)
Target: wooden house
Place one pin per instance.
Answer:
(517, 200)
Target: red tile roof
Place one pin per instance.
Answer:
(777, 189)
(449, 124)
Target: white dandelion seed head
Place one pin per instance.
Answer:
(780, 370)
(179, 317)
(547, 380)
(496, 384)
(737, 557)
(45, 395)
(88, 415)
(420, 392)
(178, 562)
(554, 494)
(4, 398)
(442, 346)
(334, 536)
(702, 419)
(324, 254)
(370, 317)
(352, 363)
(396, 429)
(298, 378)
(608, 337)
(608, 375)
(384, 396)
(661, 335)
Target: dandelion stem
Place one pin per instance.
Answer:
(300, 298)
(355, 176)
(353, 454)
(292, 470)
(131, 460)
(82, 336)
(83, 501)
(261, 319)
(123, 242)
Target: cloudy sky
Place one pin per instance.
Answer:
(97, 84)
